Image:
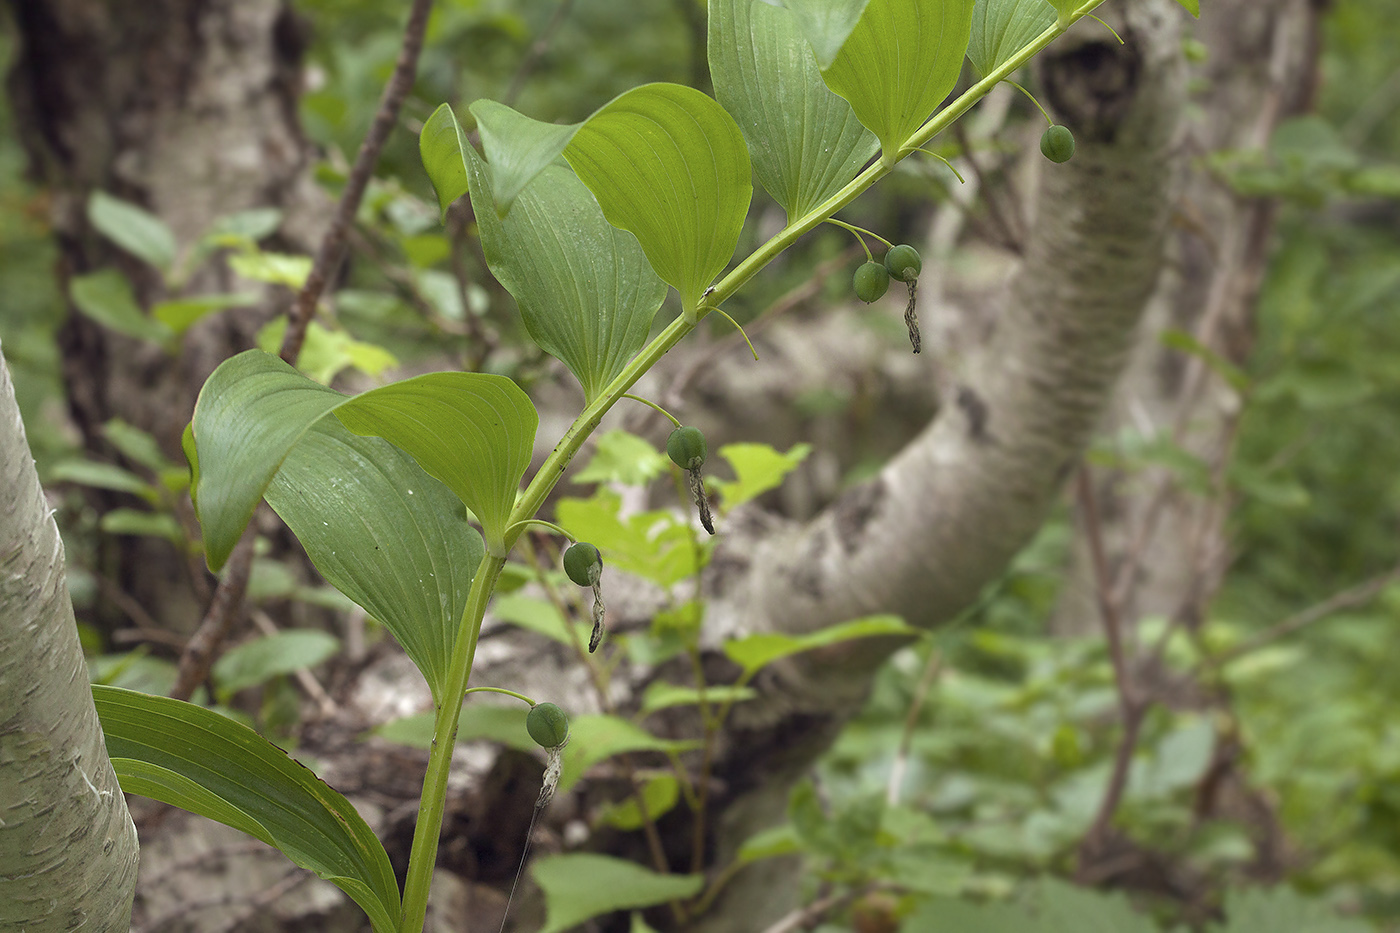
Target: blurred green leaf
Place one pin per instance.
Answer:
(106, 297)
(758, 468)
(620, 457)
(275, 268)
(133, 228)
(143, 524)
(580, 887)
(757, 651)
(101, 476)
(661, 794)
(183, 313)
(258, 661)
(594, 739)
(478, 722)
(661, 695)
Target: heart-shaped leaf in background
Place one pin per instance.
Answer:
(1001, 28)
(384, 533)
(517, 148)
(584, 287)
(669, 164)
(201, 761)
(900, 62)
(805, 142)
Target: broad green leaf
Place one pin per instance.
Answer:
(584, 287)
(440, 146)
(192, 757)
(183, 313)
(826, 24)
(249, 414)
(384, 533)
(106, 297)
(143, 524)
(770, 843)
(1065, 9)
(580, 887)
(474, 432)
(805, 142)
(134, 229)
(326, 353)
(1192, 6)
(596, 738)
(1251, 910)
(1001, 28)
(1066, 907)
(669, 164)
(653, 544)
(136, 444)
(758, 468)
(900, 62)
(756, 651)
(517, 148)
(251, 225)
(661, 794)
(478, 721)
(262, 659)
(539, 616)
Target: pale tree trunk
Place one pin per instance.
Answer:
(67, 844)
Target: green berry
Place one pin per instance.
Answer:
(903, 262)
(686, 448)
(871, 281)
(583, 563)
(547, 725)
(1057, 143)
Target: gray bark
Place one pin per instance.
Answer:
(67, 844)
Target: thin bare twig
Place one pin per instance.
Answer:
(227, 602)
(1356, 595)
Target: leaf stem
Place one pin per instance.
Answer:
(653, 405)
(539, 521)
(510, 693)
(1032, 99)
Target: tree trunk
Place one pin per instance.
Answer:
(187, 107)
(67, 844)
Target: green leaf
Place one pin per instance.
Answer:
(759, 468)
(182, 314)
(770, 843)
(254, 224)
(517, 147)
(805, 142)
(143, 524)
(653, 544)
(900, 62)
(478, 721)
(134, 229)
(440, 145)
(1001, 28)
(276, 268)
(474, 432)
(1178, 339)
(188, 756)
(137, 445)
(326, 353)
(661, 794)
(661, 695)
(1251, 910)
(826, 24)
(579, 887)
(596, 738)
(1191, 6)
(249, 414)
(106, 297)
(262, 659)
(669, 164)
(539, 616)
(384, 533)
(622, 457)
(1066, 907)
(584, 287)
(756, 651)
(100, 476)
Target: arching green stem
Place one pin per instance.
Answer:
(1032, 99)
(538, 521)
(739, 327)
(858, 231)
(1109, 28)
(951, 168)
(651, 404)
(510, 693)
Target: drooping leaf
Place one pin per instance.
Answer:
(669, 164)
(384, 533)
(1001, 28)
(261, 659)
(900, 62)
(249, 414)
(100, 476)
(517, 148)
(805, 142)
(474, 432)
(194, 758)
(183, 313)
(579, 887)
(440, 145)
(106, 297)
(143, 524)
(584, 287)
(756, 651)
(133, 228)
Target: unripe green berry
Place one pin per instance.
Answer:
(583, 563)
(686, 448)
(903, 262)
(547, 725)
(1057, 143)
(871, 281)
